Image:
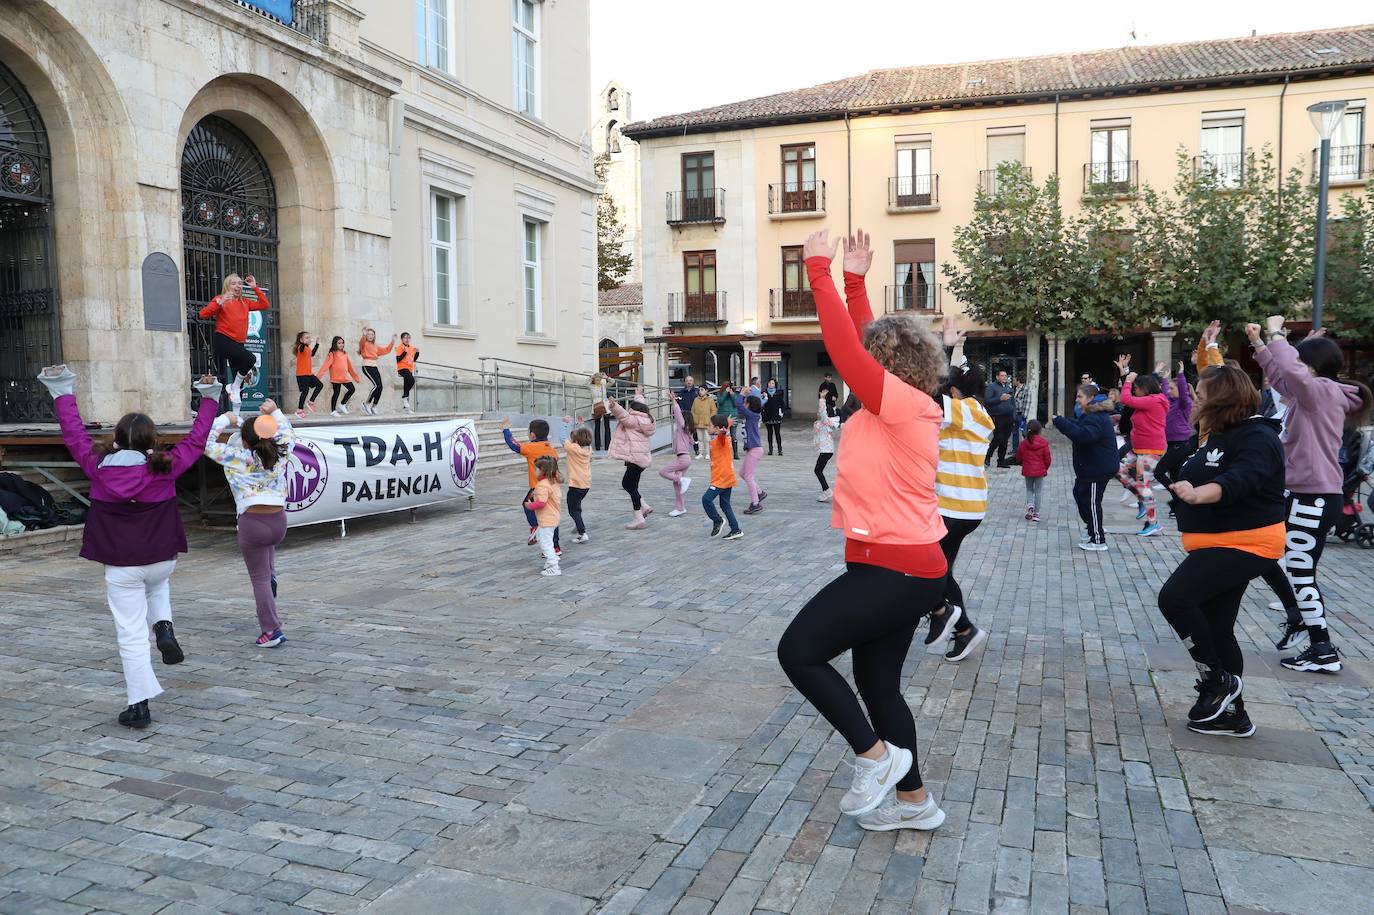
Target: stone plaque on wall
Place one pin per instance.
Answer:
(161, 293)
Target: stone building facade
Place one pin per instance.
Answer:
(372, 169)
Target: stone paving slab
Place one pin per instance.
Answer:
(446, 731)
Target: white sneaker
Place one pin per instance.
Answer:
(343, 408)
(825, 496)
(874, 781)
(686, 483)
(1085, 537)
(1091, 547)
(405, 404)
(581, 538)
(895, 814)
(335, 413)
(551, 572)
(677, 513)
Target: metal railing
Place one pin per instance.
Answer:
(309, 17)
(989, 180)
(911, 191)
(507, 385)
(1111, 179)
(1348, 163)
(1226, 171)
(796, 197)
(706, 207)
(696, 307)
(791, 305)
(913, 298)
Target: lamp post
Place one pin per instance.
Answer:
(1326, 117)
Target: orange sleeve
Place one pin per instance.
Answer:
(262, 304)
(211, 308)
(1207, 356)
(389, 347)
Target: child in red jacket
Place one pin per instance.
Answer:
(1034, 457)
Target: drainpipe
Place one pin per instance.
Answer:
(849, 176)
(1280, 175)
(1056, 133)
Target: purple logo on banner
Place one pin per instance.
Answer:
(278, 9)
(307, 471)
(464, 458)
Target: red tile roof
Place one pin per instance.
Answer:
(624, 295)
(1261, 57)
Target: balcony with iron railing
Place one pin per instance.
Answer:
(913, 193)
(1349, 164)
(309, 17)
(705, 207)
(700, 308)
(989, 181)
(1111, 179)
(796, 199)
(791, 305)
(1225, 171)
(913, 298)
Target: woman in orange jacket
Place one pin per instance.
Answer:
(369, 351)
(340, 370)
(406, 357)
(233, 362)
(310, 387)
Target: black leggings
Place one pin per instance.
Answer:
(310, 387)
(230, 355)
(1309, 517)
(339, 385)
(575, 496)
(1201, 599)
(873, 613)
(374, 375)
(956, 529)
(823, 459)
(601, 442)
(630, 483)
(408, 381)
(774, 432)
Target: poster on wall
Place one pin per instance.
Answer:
(281, 9)
(256, 343)
(338, 472)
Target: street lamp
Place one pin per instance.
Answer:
(1326, 117)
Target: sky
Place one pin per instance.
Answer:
(674, 56)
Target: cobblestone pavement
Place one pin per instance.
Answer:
(445, 731)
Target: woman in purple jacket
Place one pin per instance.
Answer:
(1319, 408)
(134, 527)
(1178, 424)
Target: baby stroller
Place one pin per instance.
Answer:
(1357, 463)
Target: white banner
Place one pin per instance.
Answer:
(345, 471)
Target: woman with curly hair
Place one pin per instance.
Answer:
(885, 503)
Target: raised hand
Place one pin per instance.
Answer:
(858, 253)
(567, 419)
(53, 371)
(1180, 369)
(269, 406)
(1274, 324)
(1253, 332)
(952, 334)
(1129, 379)
(505, 422)
(1161, 368)
(818, 244)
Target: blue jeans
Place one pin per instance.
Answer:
(707, 500)
(1018, 427)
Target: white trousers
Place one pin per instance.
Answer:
(545, 537)
(139, 596)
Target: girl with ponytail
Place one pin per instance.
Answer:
(255, 464)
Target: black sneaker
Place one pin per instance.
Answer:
(753, 509)
(1216, 690)
(763, 493)
(1231, 723)
(963, 643)
(1291, 635)
(715, 527)
(943, 624)
(167, 642)
(734, 535)
(1319, 657)
(136, 716)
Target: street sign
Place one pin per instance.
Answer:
(768, 357)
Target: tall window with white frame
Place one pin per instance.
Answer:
(914, 186)
(1223, 146)
(431, 33)
(443, 258)
(1347, 145)
(531, 252)
(1110, 170)
(525, 36)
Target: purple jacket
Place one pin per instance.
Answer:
(133, 520)
(1315, 420)
(1178, 422)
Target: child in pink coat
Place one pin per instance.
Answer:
(1143, 394)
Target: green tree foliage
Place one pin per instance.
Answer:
(613, 262)
(1350, 266)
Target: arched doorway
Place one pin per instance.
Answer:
(229, 225)
(29, 337)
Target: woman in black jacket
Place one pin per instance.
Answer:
(773, 408)
(1229, 502)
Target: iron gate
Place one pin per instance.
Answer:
(29, 336)
(229, 225)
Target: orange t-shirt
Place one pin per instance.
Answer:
(370, 351)
(340, 369)
(231, 315)
(533, 451)
(1266, 542)
(405, 357)
(885, 481)
(303, 360)
(722, 462)
(579, 461)
(551, 494)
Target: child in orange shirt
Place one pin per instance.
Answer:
(545, 502)
(577, 450)
(538, 446)
(722, 479)
(340, 370)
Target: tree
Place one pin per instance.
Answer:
(1350, 266)
(613, 262)
(1105, 271)
(1013, 267)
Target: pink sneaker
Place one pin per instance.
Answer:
(310, 405)
(636, 525)
(300, 414)
(1035, 516)
(648, 509)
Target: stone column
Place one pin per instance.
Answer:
(1162, 349)
(1033, 371)
(750, 345)
(1059, 396)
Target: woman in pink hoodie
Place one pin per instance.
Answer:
(630, 443)
(134, 527)
(1143, 395)
(684, 433)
